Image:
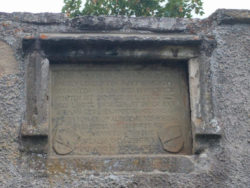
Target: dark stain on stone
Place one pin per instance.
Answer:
(175, 52)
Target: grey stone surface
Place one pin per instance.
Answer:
(127, 108)
(221, 161)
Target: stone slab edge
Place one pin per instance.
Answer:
(121, 23)
(231, 16)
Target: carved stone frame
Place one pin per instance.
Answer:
(40, 51)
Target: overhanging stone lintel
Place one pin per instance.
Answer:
(99, 46)
(169, 38)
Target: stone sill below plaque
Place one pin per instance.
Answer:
(121, 163)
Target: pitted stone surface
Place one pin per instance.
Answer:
(224, 78)
(8, 63)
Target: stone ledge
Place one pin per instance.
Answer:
(101, 46)
(126, 163)
(213, 128)
(169, 39)
(141, 25)
(150, 24)
(38, 130)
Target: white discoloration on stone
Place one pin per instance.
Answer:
(214, 124)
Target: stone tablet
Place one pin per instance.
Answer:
(119, 108)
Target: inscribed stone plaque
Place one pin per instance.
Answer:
(123, 108)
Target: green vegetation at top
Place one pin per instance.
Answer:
(158, 8)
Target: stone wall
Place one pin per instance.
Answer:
(221, 157)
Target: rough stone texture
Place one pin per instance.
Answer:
(8, 63)
(224, 80)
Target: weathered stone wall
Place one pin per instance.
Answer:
(224, 56)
